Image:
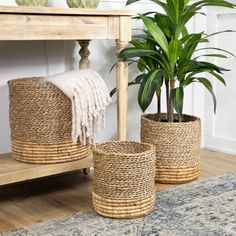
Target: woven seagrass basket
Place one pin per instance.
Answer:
(41, 123)
(124, 179)
(177, 147)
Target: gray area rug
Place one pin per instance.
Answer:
(201, 208)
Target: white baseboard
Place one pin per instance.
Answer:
(220, 149)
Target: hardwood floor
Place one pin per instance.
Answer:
(45, 199)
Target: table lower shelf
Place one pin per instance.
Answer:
(12, 171)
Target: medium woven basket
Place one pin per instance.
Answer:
(177, 147)
(124, 179)
(40, 120)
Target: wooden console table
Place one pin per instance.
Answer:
(27, 23)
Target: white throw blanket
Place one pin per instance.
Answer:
(89, 97)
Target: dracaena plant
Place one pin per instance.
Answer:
(165, 53)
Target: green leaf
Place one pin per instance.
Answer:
(220, 3)
(148, 88)
(210, 66)
(145, 14)
(177, 96)
(217, 49)
(172, 11)
(156, 33)
(187, 81)
(138, 44)
(190, 46)
(144, 61)
(219, 32)
(175, 47)
(185, 38)
(211, 55)
(160, 62)
(193, 9)
(162, 5)
(208, 85)
(219, 77)
(113, 91)
(131, 2)
(185, 66)
(135, 52)
(183, 21)
(141, 65)
(186, 2)
(163, 21)
(196, 67)
(129, 60)
(139, 78)
(184, 31)
(136, 81)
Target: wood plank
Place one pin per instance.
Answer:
(64, 11)
(40, 27)
(12, 171)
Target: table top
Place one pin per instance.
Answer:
(64, 11)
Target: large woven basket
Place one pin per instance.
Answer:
(124, 179)
(40, 120)
(177, 147)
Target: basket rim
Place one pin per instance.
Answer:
(31, 80)
(196, 119)
(99, 151)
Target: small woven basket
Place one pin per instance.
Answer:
(177, 147)
(124, 179)
(40, 120)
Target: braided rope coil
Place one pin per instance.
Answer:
(124, 179)
(177, 147)
(40, 121)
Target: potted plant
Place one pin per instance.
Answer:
(32, 3)
(171, 58)
(83, 3)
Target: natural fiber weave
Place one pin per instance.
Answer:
(40, 120)
(124, 173)
(177, 147)
(124, 209)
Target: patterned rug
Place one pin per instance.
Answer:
(201, 208)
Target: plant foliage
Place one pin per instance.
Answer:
(165, 54)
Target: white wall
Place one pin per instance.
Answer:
(19, 59)
(220, 130)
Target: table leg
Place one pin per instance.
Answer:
(122, 92)
(84, 54)
(86, 171)
(84, 64)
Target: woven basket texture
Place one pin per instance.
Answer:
(177, 147)
(124, 179)
(40, 121)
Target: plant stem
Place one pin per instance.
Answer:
(167, 98)
(180, 118)
(158, 94)
(172, 86)
(171, 107)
